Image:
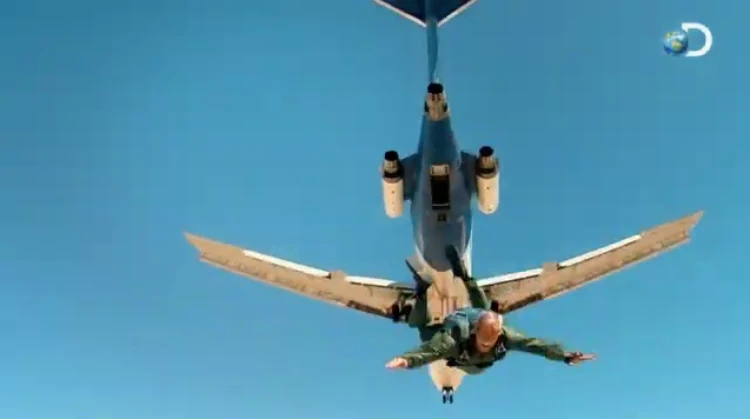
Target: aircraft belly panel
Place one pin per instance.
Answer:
(446, 295)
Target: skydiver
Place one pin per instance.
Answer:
(473, 339)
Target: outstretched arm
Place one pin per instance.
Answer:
(441, 346)
(517, 341)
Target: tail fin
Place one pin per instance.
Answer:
(416, 11)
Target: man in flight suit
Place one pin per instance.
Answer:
(474, 338)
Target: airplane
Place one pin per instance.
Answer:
(441, 183)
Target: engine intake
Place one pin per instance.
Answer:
(392, 172)
(488, 180)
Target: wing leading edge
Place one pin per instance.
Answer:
(516, 290)
(368, 295)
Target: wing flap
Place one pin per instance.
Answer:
(370, 295)
(517, 290)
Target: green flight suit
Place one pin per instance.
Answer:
(444, 345)
(419, 316)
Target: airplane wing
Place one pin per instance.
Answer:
(513, 291)
(368, 295)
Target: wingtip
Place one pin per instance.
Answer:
(193, 239)
(694, 219)
(682, 226)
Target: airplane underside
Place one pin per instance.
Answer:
(441, 182)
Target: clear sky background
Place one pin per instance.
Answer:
(124, 124)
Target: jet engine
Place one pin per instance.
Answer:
(488, 180)
(393, 184)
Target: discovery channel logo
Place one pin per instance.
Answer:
(677, 43)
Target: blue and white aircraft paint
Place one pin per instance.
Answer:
(441, 183)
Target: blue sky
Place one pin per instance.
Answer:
(124, 124)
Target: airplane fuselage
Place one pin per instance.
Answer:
(442, 187)
(440, 181)
(441, 208)
(441, 215)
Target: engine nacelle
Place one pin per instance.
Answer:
(488, 180)
(392, 173)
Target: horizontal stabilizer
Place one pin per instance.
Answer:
(415, 10)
